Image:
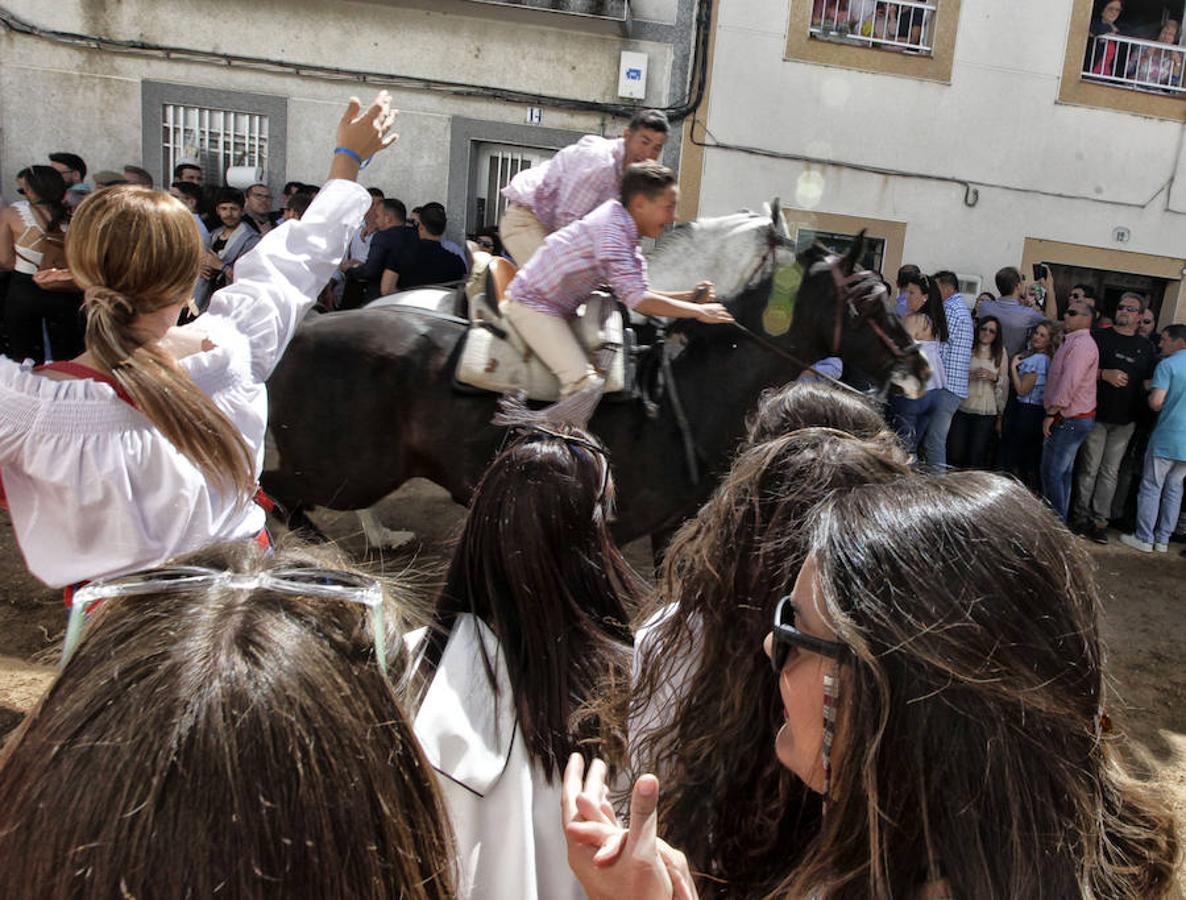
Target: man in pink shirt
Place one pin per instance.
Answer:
(575, 182)
(1070, 404)
(601, 248)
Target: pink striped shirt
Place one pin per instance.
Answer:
(1070, 386)
(572, 183)
(602, 248)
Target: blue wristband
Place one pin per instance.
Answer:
(346, 151)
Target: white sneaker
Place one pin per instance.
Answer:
(1131, 540)
(1161, 548)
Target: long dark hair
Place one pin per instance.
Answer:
(970, 750)
(726, 802)
(215, 741)
(803, 404)
(49, 187)
(536, 563)
(933, 309)
(997, 348)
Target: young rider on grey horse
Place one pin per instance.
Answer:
(602, 248)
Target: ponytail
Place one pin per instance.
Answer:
(136, 251)
(165, 393)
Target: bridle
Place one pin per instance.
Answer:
(862, 294)
(859, 293)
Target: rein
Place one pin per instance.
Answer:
(845, 288)
(768, 344)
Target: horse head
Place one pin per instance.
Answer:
(842, 309)
(733, 252)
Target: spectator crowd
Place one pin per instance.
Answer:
(824, 694)
(40, 308)
(1086, 409)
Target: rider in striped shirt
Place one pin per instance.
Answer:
(573, 183)
(602, 248)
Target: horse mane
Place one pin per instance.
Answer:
(687, 236)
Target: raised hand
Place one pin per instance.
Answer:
(613, 863)
(362, 134)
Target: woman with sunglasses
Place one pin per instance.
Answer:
(224, 729)
(947, 707)
(696, 718)
(982, 413)
(529, 629)
(149, 444)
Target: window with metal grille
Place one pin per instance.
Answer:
(215, 139)
(904, 26)
(497, 165)
(1137, 45)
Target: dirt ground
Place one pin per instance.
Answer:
(1144, 626)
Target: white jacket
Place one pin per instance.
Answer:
(505, 814)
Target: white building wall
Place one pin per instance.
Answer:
(1057, 172)
(56, 97)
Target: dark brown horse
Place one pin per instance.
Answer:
(364, 400)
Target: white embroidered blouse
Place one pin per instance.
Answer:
(93, 488)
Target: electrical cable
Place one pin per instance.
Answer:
(971, 188)
(676, 113)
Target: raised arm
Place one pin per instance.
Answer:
(277, 282)
(1050, 305)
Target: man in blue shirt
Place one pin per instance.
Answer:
(956, 353)
(1017, 320)
(1160, 498)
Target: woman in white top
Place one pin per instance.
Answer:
(31, 240)
(927, 324)
(530, 628)
(697, 720)
(149, 446)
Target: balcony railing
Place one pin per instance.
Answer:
(617, 10)
(899, 25)
(1136, 64)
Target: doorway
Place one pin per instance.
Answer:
(1108, 287)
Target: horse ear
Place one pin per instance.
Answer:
(852, 259)
(780, 224)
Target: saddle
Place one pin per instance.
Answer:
(496, 358)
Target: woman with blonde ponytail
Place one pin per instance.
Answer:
(148, 445)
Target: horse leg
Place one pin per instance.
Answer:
(298, 522)
(289, 509)
(379, 536)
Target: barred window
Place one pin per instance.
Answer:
(215, 139)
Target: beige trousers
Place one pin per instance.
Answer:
(551, 339)
(522, 233)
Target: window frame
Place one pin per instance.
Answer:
(801, 46)
(155, 95)
(893, 234)
(1073, 90)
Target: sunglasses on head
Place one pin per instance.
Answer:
(787, 639)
